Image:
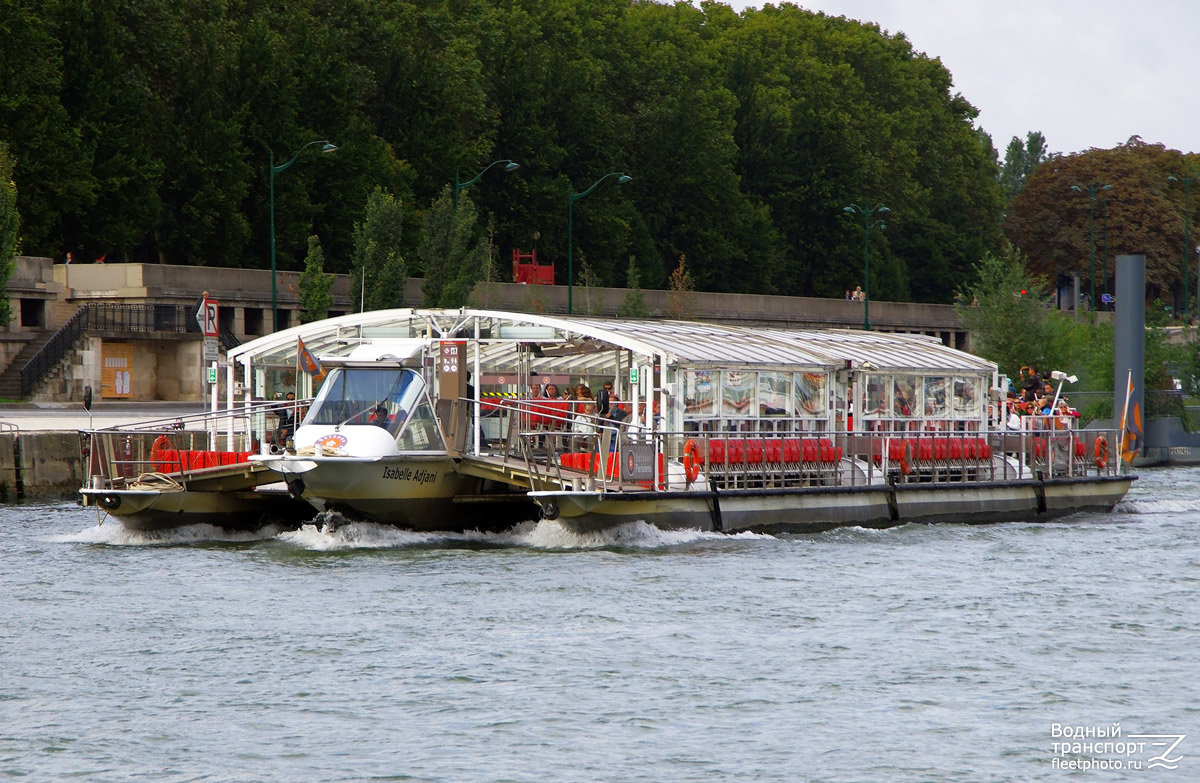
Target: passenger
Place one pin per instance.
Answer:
(287, 419)
(1031, 383)
(585, 421)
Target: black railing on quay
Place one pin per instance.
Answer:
(109, 318)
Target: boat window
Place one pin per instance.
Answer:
(737, 393)
(935, 397)
(699, 393)
(380, 396)
(421, 432)
(966, 398)
(774, 394)
(809, 391)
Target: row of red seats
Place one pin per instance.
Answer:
(755, 451)
(1039, 448)
(590, 463)
(174, 461)
(937, 449)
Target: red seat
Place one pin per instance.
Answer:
(773, 451)
(736, 452)
(754, 452)
(716, 452)
(810, 450)
(791, 451)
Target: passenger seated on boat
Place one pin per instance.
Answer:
(287, 419)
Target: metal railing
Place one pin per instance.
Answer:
(181, 447)
(110, 318)
(553, 453)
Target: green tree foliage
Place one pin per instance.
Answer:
(1142, 213)
(10, 225)
(452, 251)
(1021, 159)
(1006, 314)
(634, 305)
(314, 295)
(143, 131)
(377, 253)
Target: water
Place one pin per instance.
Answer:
(921, 653)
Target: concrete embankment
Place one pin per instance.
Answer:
(41, 449)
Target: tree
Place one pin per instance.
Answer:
(10, 225)
(1004, 311)
(452, 253)
(589, 281)
(1053, 224)
(315, 298)
(634, 305)
(377, 255)
(1020, 161)
(680, 296)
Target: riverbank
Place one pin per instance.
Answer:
(41, 448)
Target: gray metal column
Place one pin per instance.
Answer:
(1130, 347)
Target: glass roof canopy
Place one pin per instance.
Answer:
(580, 343)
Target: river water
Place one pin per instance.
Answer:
(921, 653)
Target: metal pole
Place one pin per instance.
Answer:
(570, 254)
(274, 289)
(1092, 254)
(867, 271)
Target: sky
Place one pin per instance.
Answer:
(1086, 73)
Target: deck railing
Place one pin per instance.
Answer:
(617, 454)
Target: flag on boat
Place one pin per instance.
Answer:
(1131, 425)
(307, 361)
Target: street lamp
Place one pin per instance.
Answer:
(273, 169)
(458, 187)
(866, 212)
(1092, 190)
(622, 178)
(1187, 245)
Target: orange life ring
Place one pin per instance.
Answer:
(161, 444)
(905, 468)
(1100, 452)
(690, 468)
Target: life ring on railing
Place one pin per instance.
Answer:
(905, 467)
(161, 444)
(690, 468)
(1100, 452)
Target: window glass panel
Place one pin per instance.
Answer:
(966, 398)
(809, 391)
(421, 433)
(699, 393)
(935, 397)
(738, 393)
(775, 393)
(903, 397)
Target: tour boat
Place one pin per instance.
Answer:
(440, 420)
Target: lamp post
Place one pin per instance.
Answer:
(1187, 244)
(1091, 190)
(866, 212)
(273, 169)
(622, 178)
(461, 186)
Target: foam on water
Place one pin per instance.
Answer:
(113, 533)
(543, 534)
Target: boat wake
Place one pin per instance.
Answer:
(331, 532)
(112, 533)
